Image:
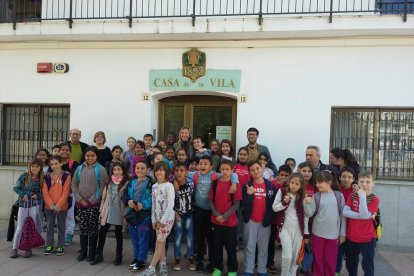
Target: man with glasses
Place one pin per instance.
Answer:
(77, 153)
(255, 149)
(78, 147)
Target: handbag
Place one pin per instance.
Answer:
(134, 218)
(307, 261)
(30, 237)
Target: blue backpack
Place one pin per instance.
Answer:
(65, 175)
(97, 169)
(307, 262)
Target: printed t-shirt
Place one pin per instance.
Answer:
(243, 173)
(259, 202)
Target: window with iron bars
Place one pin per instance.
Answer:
(26, 128)
(382, 139)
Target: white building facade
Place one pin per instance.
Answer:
(300, 80)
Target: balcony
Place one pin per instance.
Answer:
(15, 11)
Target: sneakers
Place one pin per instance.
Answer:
(216, 272)
(148, 272)
(163, 270)
(48, 250)
(60, 251)
(68, 239)
(133, 263)
(138, 266)
(27, 254)
(272, 269)
(200, 267)
(177, 266)
(13, 254)
(191, 264)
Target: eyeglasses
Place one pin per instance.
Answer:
(74, 133)
(252, 134)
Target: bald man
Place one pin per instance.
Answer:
(78, 147)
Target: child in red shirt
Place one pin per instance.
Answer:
(360, 209)
(224, 218)
(307, 169)
(258, 197)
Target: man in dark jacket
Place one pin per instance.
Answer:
(313, 155)
(255, 149)
(78, 147)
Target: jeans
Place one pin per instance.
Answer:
(140, 239)
(184, 226)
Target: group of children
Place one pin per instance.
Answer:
(214, 199)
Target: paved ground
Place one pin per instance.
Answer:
(388, 262)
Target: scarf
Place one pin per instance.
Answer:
(116, 179)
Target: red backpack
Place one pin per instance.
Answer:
(197, 176)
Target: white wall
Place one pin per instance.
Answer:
(290, 89)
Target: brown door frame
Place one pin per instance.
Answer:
(188, 102)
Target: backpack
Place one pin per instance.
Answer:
(97, 169)
(214, 187)
(317, 198)
(65, 175)
(378, 225)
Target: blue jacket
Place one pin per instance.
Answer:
(32, 189)
(247, 202)
(146, 199)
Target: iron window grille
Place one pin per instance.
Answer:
(26, 128)
(382, 139)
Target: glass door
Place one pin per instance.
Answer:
(206, 116)
(212, 122)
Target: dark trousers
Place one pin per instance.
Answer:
(271, 246)
(341, 253)
(102, 237)
(367, 251)
(226, 237)
(203, 227)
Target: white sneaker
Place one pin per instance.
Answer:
(148, 272)
(163, 270)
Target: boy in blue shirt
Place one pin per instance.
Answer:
(202, 211)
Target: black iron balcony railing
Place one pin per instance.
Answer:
(13, 11)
